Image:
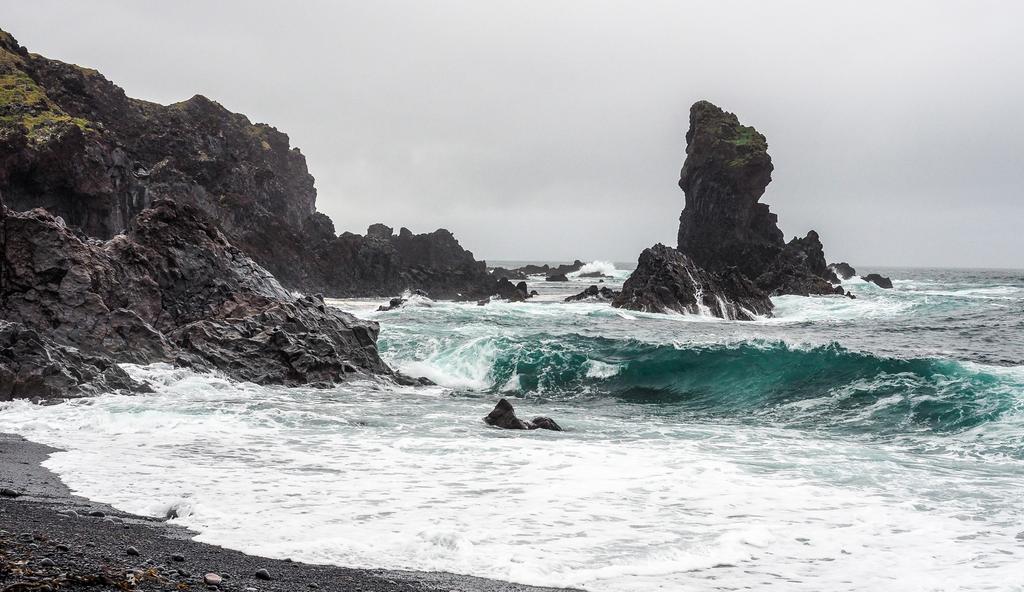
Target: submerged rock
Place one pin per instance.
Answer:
(504, 416)
(879, 280)
(602, 293)
(843, 270)
(556, 277)
(666, 280)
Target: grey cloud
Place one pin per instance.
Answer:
(554, 130)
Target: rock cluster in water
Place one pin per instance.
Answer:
(504, 416)
(72, 142)
(730, 255)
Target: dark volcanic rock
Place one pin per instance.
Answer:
(33, 367)
(556, 277)
(800, 269)
(725, 174)
(724, 227)
(509, 274)
(504, 416)
(513, 293)
(72, 142)
(175, 290)
(665, 280)
(879, 280)
(603, 293)
(843, 270)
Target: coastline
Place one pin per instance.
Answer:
(93, 550)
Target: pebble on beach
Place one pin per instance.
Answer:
(212, 579)
(262, 574)
(132, 551)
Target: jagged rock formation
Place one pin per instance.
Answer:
(34, 367)
(731, 254)
(843, 270)
(800, 269)
(724, 226)
(594, 293)
(173, 289)
(726, 171)
(72, 142)
(525, 271)
(504, 416)
(879, 280)
(666, 280)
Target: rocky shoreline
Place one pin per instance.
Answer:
(51, 539)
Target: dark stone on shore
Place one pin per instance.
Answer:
(5, 492)
(132, 551)
(504, 416)
(262, 574)
(556, 277)
(878, 280)
(602, 293)
(666, 280)
(178, 558)
(46, 562)
(98, 514)
(843, 269)
(593, 274)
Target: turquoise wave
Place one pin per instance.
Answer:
(807, 386)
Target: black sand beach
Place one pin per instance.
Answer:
(53, 540)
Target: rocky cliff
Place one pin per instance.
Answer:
(172, 289)
(72, 142)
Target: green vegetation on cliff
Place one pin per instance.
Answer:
(24, 103)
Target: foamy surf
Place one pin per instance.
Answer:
(869, 444)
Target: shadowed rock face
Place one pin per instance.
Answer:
(879, 280)
(726, 171)
(173, 289)
(72, 142)
(665, 280)
(34, 367)
(731, 254)
(843, 270)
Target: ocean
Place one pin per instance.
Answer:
(868, 444)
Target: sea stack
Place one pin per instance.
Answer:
(731, 255)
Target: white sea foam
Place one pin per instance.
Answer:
(403, 478)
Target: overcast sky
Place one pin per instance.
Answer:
(555, 130)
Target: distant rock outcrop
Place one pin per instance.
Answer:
(594, 293)
(666, 280)
(879, 280)
(843, 270)
(73, 143)
(173, 289)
